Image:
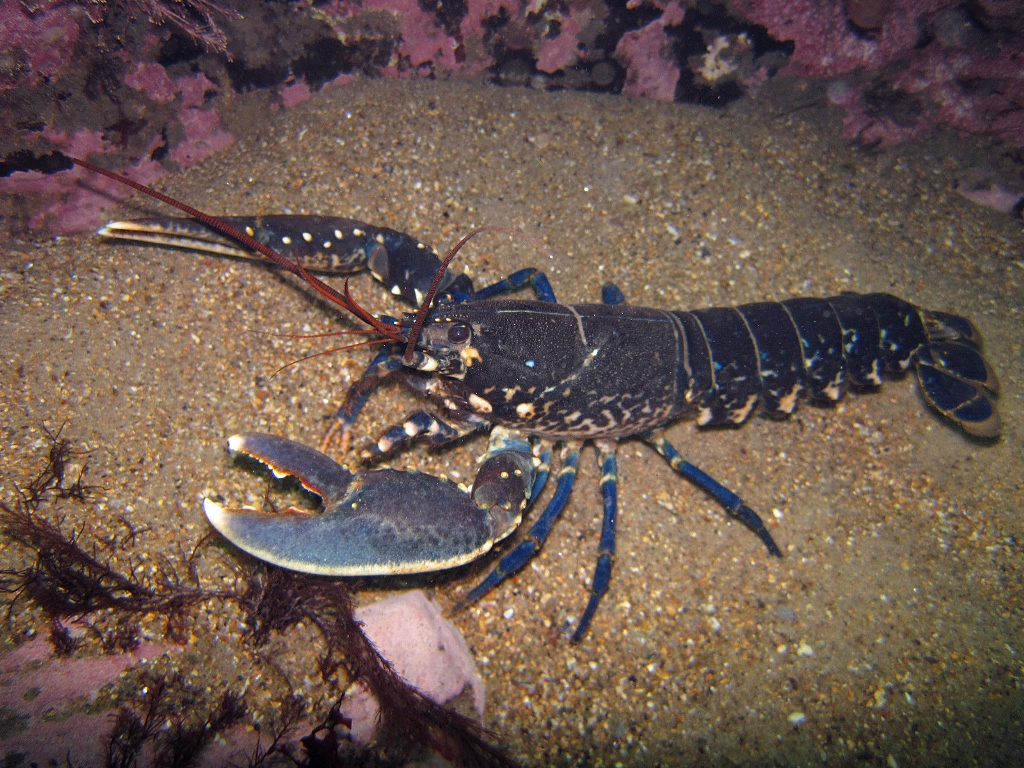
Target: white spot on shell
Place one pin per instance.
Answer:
(739, 415)
(525, 410)
(788, 402)
(479, 404)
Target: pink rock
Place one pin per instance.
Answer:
(33, 682)
(472, 30)
(193, 89)
(563, 51)
(295, 94)
(43, 38)
(424, 648)
(826, 46)
(874, 130)
(153, 80)
(646, 54)
(423, 42)
(971, 87)
(74, 200)
(203, 137)
(986, 188)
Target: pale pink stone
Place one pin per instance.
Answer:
(425, 649)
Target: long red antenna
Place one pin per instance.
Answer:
(345, 301)
(421, 314)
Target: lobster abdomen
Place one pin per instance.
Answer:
(774, 352)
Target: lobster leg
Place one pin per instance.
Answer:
(537, 280)
(733, 504)
(611, 294)
(424, 426)
(382, 522)
(387, 364)
(606, 547)
(538, 533)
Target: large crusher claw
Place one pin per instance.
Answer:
(381, 522)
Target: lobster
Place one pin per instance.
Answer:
(537, 371)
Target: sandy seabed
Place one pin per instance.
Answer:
(889, 634)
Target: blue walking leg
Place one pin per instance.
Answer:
(538, 532)
(610, 294)
(606, 548)
(733, 503)
(386, 363)
(537, 280)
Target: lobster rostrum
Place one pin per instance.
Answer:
(536, 371)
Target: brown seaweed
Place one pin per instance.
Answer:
(182, 743)
(54, 473)
(66, 580)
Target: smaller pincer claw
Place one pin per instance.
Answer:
(378, 523)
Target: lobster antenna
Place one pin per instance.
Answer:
(421, 314)
(330, 351)
(345, 301)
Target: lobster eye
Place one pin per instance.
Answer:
(458, 333)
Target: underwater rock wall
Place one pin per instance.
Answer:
(157, 85)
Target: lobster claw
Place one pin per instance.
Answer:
(383, 522)
(323, 244)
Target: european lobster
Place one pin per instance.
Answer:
(533, 371)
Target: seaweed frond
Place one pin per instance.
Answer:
(176, 746)
(293, 710)
(67, 580)
(132, 730)
(184, 743)
(54, 473)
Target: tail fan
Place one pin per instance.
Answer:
(960, 384)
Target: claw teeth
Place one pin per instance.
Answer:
(237, 444)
